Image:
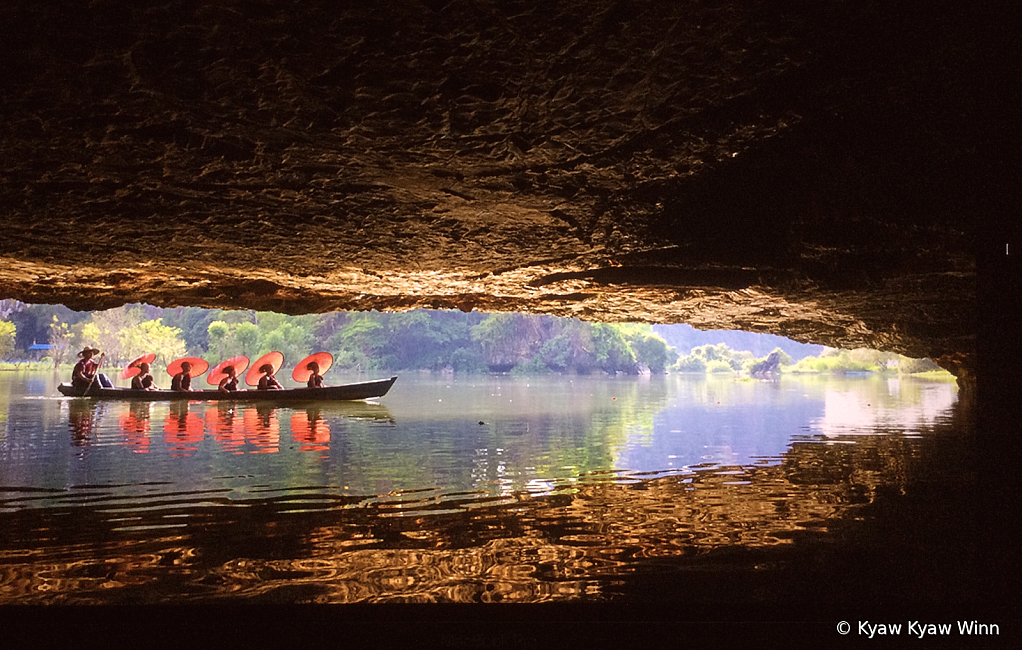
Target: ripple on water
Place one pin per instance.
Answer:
(389, 504)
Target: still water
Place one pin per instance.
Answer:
(468, 489)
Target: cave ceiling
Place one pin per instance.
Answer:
(785, 167)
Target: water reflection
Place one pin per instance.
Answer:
(82, 421)
(262, 429)
(573, 543)
(227, 429)
(896, 404)
(518, 491)
(134, 425)
(183, 430)
(311, 430)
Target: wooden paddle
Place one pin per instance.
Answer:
(102, 357)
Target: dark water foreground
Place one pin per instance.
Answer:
(666, 501)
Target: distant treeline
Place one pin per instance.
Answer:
(361, 341)
(420, 339)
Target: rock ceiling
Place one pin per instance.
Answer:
(788, 167)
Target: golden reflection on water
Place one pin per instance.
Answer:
(495, 532)
(570, 544)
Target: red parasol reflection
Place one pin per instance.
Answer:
(262, 429)
(311, 430)
(182, 429)
(134, 426)
(226, 428)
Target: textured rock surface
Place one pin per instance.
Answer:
(800, 168)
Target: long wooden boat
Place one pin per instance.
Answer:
(361, 390)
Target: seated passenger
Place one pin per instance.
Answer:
(315, 379)
(268, 381)
(230, 382)
(143, 380)
(183, 379)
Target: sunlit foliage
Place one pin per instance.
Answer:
(60, 340)
(7, 332)
(152, 336)
(421, 339)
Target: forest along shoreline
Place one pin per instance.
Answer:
(39, 337)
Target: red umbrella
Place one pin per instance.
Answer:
(217, 373)
(275, 359)
(199, 366)
(301, 373)
(132, 368)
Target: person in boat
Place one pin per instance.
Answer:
(268, 381)
(183, 379)
(84, 373)
(229, 383)
(315, 379)
(143, 380)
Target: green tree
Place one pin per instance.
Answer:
(612, 352)
(246, 339)
(193, 323)
(508, 339)
(783, 357)
(426, 339)
(7, 334)
(571, 349)
(216, 336)
(653, 351)
(690, 363)
(103, 330)
(292, 340)
(152, 336)
(718, 366)
(359, 343)
(60, 340)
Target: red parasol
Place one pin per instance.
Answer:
(301, 373)
(132, 368)
(199, 366)
(275, 359)
(217, 373)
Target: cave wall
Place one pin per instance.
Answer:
(800, 168)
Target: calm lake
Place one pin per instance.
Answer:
(510, 489)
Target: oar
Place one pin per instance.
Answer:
(102, 357)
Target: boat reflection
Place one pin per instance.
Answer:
(356, 410)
